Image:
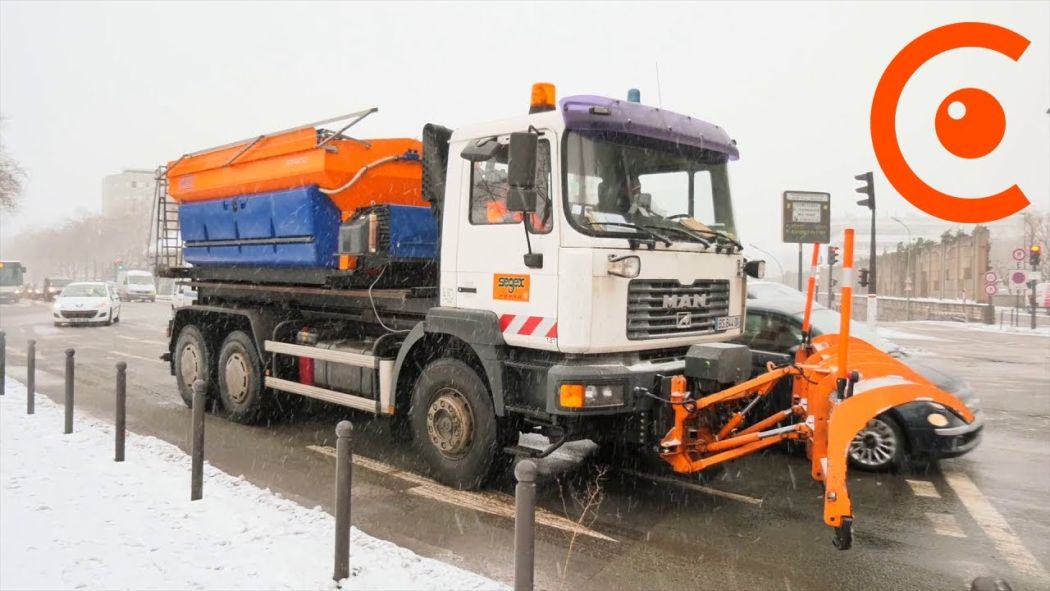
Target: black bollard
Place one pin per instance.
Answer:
(69, 391)
(343, 469)
(524, 525)
(197, 443)
(31, 378)
(3, 362)
(120, 426)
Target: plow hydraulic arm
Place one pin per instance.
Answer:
(839, 384)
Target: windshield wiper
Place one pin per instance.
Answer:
(722, 235)
(684, 230)
(642, 229)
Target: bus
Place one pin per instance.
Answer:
(12, 273)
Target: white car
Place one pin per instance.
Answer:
(86, 303)
(183, 295)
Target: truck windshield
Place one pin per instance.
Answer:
(614, 181)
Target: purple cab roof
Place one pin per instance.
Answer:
(651, 122)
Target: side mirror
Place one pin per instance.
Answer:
(521, 171)
(756, 269)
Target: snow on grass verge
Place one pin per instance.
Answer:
(1025, 330)
(72, 518)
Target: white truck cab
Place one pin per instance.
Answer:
(634, 224)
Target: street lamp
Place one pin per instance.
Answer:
(911, 272)
(771, 257)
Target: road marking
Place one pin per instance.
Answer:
(923, 488)
(994, 525)
(493, 503)
(697, 487)
(138, 340)
(118, 355)
(945, 524)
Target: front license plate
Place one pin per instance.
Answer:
(727, 322)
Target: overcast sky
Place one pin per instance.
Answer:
(88, 89)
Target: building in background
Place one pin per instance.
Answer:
(128, 194)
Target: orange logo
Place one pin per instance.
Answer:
(510, 287)
(973, 135)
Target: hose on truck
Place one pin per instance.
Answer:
(409, 156)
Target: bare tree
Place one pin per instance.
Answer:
(11, 178)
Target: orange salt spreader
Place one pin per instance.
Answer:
(354, 173)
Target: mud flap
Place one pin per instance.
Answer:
(871, 398)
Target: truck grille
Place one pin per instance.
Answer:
(653, 310)
(71, 314)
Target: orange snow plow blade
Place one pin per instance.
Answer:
(840, 383)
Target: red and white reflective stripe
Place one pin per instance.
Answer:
(847, 277)
(813, 271)
(537, 326)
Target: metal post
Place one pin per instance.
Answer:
(31, 378)
(69, 390)
(122, 411)
(3, 362)
(525, 525)
(197, 441)
(343, 471)
(800, 266)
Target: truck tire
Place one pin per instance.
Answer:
(192, 359)
(454, 425)
(241, 379)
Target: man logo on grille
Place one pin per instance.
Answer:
(685, 301)
(685, 319)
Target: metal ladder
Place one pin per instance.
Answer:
(165, 241)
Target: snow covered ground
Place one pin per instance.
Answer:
(893, 333)
(72, 518)
(1023, 330)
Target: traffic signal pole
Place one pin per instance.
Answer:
(869, 190)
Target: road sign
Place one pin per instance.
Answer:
(1018, 254)
(991, 289)
(990, 277)
(806, 217)
(1018, 278)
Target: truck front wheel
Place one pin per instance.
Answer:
(192, 361)
(240, 379)
(453, 424)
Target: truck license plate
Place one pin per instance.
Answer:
(727, 322)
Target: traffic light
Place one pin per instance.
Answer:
(868, 189)
(833, 255)
(863, 282)
(1033, 255)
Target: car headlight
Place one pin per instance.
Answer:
(628, 266)
(590, 395)
(937, 419)
(57, 306)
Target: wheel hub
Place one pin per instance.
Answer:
(190, 364)
(875, 445)
(237, 373)
(450, 423)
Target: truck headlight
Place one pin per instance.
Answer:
(628, 266)
(590, 395)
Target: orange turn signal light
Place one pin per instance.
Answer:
(543, 97)
(570, 395)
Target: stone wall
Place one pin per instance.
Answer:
(894, 309)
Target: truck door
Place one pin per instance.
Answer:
(491, 271)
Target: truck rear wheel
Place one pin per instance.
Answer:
(453, 424)
(241, 379)
(192, 361)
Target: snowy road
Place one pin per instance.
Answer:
(981, 514)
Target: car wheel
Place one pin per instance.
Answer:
(192, 359)
(454, 426)
(241, 379)
(878, 446)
